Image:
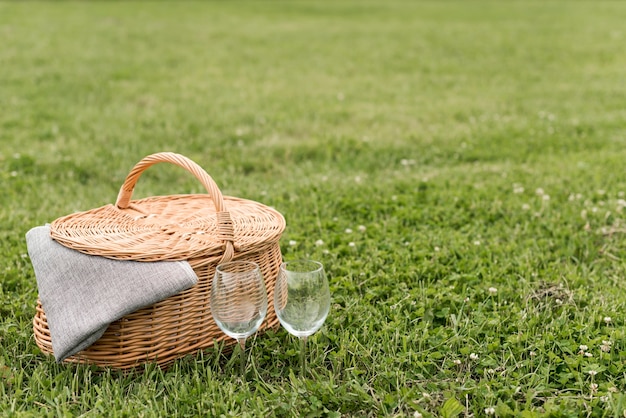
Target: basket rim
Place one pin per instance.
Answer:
(188, 228)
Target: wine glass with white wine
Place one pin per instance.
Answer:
(302, 300)
(239, 302)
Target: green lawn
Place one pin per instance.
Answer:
(458, 167)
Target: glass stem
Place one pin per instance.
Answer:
(242, 357)
(303, 356)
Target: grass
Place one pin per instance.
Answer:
(457, 167)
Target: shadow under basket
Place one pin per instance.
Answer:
(203, 229)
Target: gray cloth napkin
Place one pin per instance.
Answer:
(82, 294)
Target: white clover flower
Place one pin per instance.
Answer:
(437, 249)
(546, 197)
(588, 354)
(457, 362)
(607, 320)
(517, 189)
(604, 398)
(583, 347)
(532, 354)
(525, 206)
(293, 243)
(348, 231)
(362, 228)
(592, 372)
(493, 290)
(490, 411)
(539, 191)
(319, 243)
(473, 356)
(417, 414)
(351, 244)
(476, 242)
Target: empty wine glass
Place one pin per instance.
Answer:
(302, 300)
(238, 301)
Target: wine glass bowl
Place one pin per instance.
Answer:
(238, 301)
(302, 299)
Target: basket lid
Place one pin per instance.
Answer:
(175, 227)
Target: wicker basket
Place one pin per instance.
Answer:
(204, 229)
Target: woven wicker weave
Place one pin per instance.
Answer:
(204, 229)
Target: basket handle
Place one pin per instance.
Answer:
(225, 224)
(126, 191)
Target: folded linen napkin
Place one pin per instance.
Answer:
(82, 294)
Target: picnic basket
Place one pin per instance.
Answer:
(204, 229)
